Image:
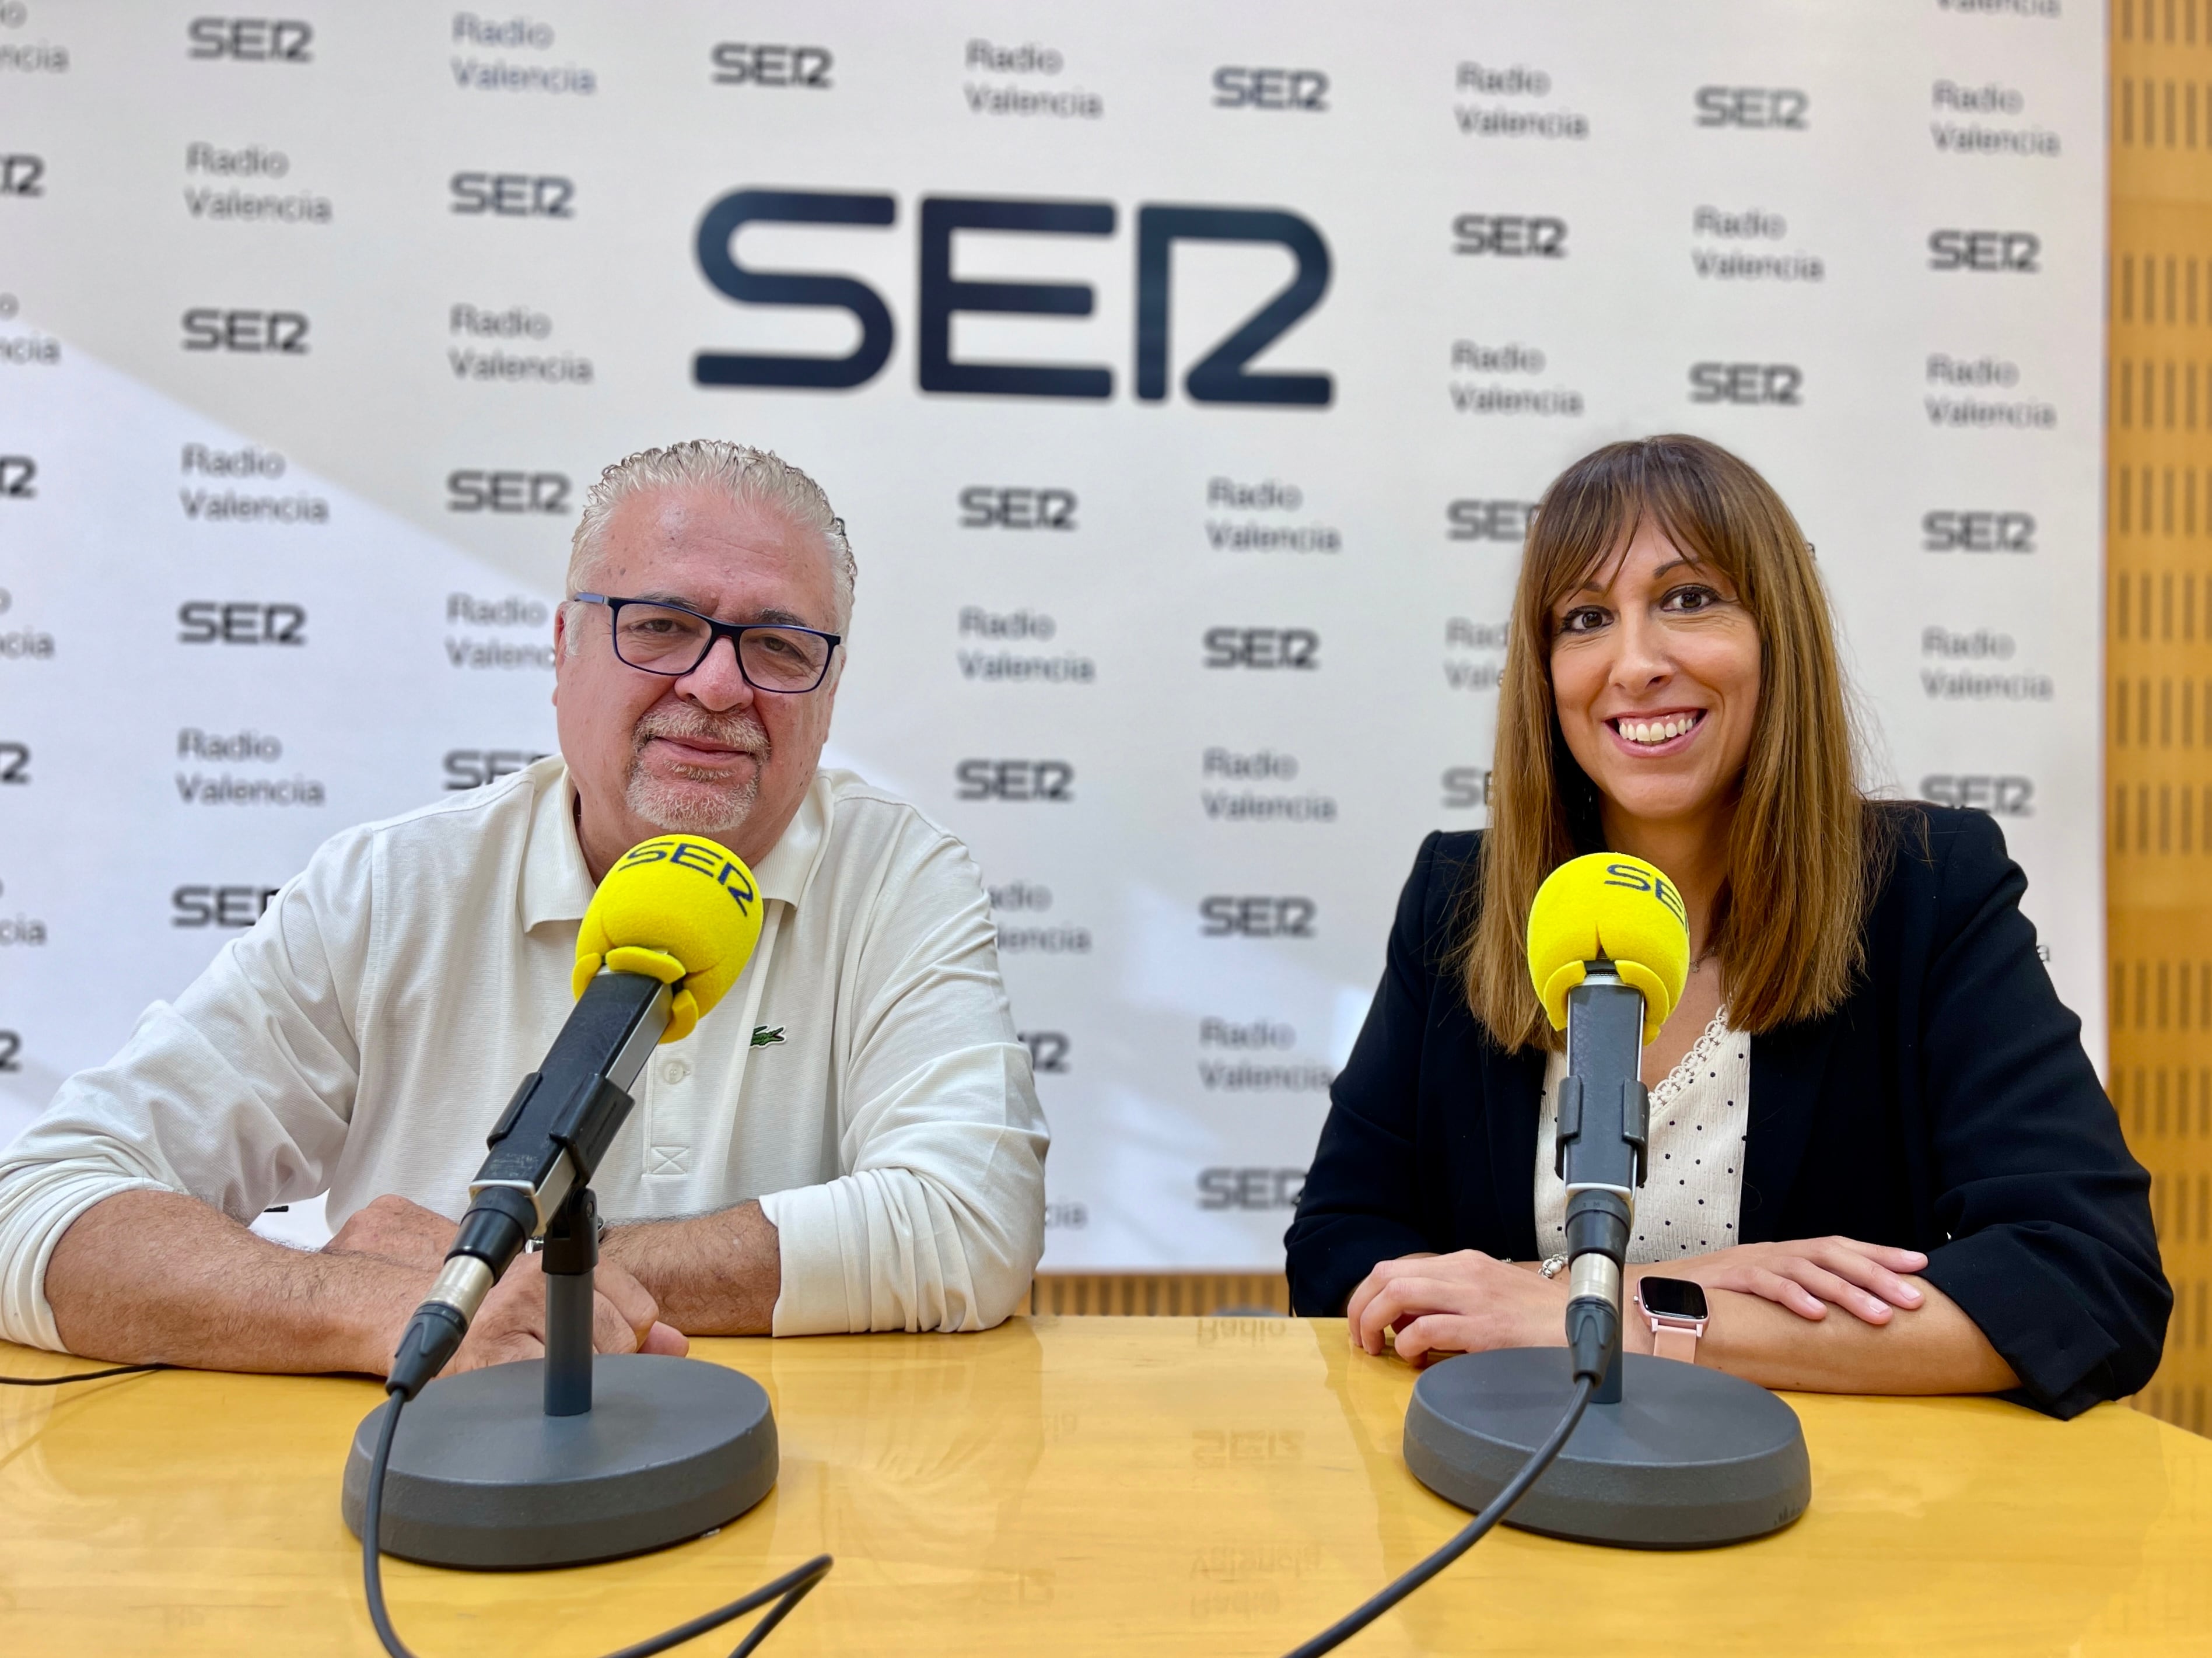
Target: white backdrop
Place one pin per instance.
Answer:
(314, 327)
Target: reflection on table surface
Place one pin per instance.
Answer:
(1062, 1485)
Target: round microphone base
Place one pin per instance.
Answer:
(480, 1476)
(1688, 1459)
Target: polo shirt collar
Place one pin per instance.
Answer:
(558, 885)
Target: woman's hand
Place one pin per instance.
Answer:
(1467, 1303)
(1806, 1274)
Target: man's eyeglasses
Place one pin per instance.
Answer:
(668, 639)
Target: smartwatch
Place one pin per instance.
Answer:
(1675, 1308)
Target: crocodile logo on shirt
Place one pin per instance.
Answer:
(764, 1038)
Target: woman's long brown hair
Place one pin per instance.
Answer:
(1803, 846)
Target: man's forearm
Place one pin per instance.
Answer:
(157, 1276)
(713, 1275)
(1933, 1348)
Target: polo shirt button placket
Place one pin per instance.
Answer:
(665, 1159)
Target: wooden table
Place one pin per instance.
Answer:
(1130, 1486)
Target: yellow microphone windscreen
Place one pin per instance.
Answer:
(1609, 905)
(678, 909)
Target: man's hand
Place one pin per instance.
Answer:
(511, 1323)
(1467, 1303)
(1805, 1274)
(393, 1228)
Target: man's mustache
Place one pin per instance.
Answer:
(733, 729)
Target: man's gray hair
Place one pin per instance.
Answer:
(755, 478)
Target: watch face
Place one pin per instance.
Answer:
(1672, 1297)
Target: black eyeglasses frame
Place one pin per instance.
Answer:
(732, 631)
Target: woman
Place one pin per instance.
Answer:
(1869, 1098)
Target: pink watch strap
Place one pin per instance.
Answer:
(1671, 1341)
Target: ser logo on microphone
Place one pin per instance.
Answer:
(680, 853)
(1629, 876)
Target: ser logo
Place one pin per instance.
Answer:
(209, 328)
(14, 763)
(1237, 87)
(1220, 377)
(2000, 797)
(1977, 532)
(1466, 787)
(1748, 383)
(17, 473)
(1263, 647)
(1250, 1188)
(514, 195)
(219, 906)
(472, 768)
(1489, 520)
(241, 622)
(743, 64)
(982, 506)
(21, 175)
(1052, 781)
(1509, 236)
(252, 39)
(1225, 915)
(1780, 108)
(1984, 250)
(474, 490)
(1048, 1051)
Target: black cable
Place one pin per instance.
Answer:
(1515, 1489)
(81, 1376)
(786, 1591)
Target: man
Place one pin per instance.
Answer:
(851, 1141)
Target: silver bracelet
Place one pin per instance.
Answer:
(1552, 1267)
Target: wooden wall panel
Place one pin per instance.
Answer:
(2158, 626)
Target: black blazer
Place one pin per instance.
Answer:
(1946, 1106)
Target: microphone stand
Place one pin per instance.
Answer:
(1667, 1455)
(573, 1457)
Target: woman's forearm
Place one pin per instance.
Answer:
(1933, 1348)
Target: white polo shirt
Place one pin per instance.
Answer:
(862, 1077)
